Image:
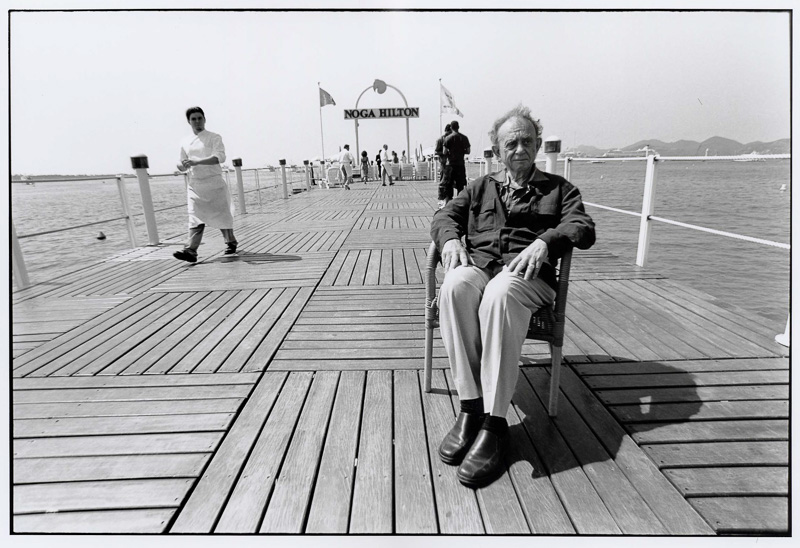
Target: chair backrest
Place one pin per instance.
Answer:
(421, 170)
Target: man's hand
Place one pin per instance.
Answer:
(187, 163)
(454, 254)
(529, 261)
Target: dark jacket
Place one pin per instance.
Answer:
(553, 213)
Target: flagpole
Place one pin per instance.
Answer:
(440, 106)
(322, 139)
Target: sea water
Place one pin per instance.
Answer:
(739, 197)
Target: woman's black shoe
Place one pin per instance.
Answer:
(460, 437)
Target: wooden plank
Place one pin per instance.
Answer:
(386, 275)
(353, 365)
(726, 481)
(202, 340)
(132, 394)
(118, 409)
(53, 383)
(776, 409)
(260, 358)
(728, 378)
(630, 511)
(262, 327)
(745, 515)
(372, 508)
(142, 444)
(106, 522)
(208, 498)
(413, 496)
(456, 507)
(291, 496)
(330, 506)
(63, 469)
(707, 431)
(100, 495)
(732, 453)
(248, 500)
(690, 366)
(695, 393)
(84, 426)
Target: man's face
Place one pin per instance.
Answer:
(197, 121)
(517, 145)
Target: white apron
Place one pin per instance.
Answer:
(209, 199)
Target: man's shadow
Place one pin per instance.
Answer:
(253, 258)
(595, 412)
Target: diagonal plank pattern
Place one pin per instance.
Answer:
(280, 391)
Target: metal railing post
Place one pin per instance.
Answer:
(308, 176)
(552, 146)
(648, 207)
(186, 181)
(140, 165)
(237, 165)
(283, 178)
(18, 261)
(567, 167)
(126, 210)
(487, 157)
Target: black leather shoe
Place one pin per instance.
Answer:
(460, 437)
(484, 462)
(186, 255)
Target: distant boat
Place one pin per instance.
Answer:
(745, 158)
(783, 188)
(597, 161)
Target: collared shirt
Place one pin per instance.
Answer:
(513, 192)
(203, 145)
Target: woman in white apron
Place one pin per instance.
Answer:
(208, 196)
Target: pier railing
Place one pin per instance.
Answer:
(284, 179)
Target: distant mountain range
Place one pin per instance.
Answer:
(716, 146)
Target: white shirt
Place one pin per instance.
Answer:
(346, 158)
(203, 145)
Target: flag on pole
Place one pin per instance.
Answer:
(325, 98)
(448, 103)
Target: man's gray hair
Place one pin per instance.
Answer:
(519, 111)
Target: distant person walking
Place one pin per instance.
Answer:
(455, 147)
(364, 166)
(387, 166)
(439, 153)
(346, 162)
(208, 197)
(378, 172)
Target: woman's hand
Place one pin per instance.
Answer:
(529, 261)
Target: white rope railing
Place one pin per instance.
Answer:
(721, 233)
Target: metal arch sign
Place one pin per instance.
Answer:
(380, 113)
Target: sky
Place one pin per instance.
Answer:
(88, 90)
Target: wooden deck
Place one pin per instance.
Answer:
(279, 391)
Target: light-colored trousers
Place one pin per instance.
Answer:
(196, 236)
(483, 322)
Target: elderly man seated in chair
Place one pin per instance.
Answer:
(517, 223)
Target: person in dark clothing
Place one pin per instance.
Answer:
(439, 153)
(516, 224)
(456, 146)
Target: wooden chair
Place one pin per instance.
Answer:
(332, 176)
(547, 324)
